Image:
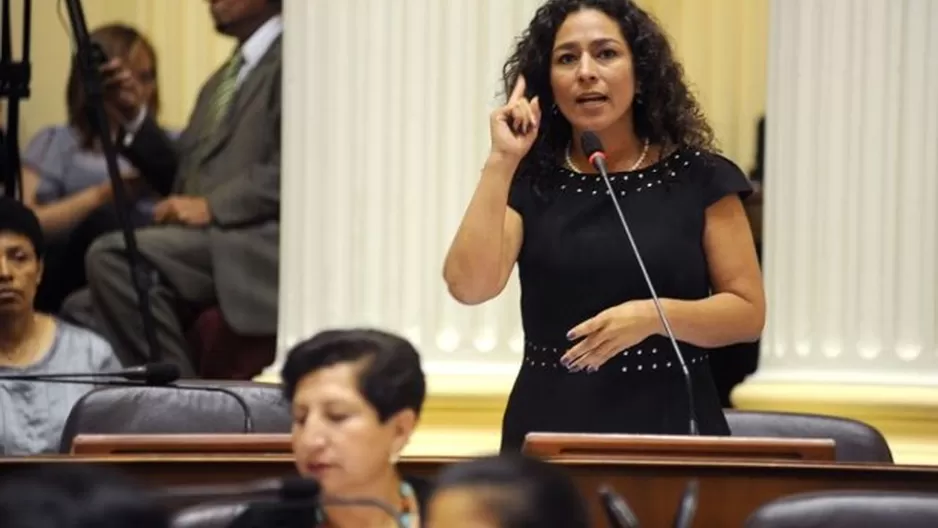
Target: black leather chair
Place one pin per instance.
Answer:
(246, 515)
(220, 515)
(849, 509)
(175, 410)
(855, 440)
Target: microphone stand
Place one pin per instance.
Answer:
(89, 58)
(14, 85)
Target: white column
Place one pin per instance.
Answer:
(386, 110)
(851, 225)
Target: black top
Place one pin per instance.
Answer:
(286, 515)
(576, 261)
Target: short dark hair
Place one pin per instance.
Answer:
(17, 218)
(77, 496)
(391, 378)
(526, 492)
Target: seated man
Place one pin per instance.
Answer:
(32, 414)
(216, 241)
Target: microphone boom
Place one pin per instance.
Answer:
(593, 149)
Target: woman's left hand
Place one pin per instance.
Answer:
(608, 333)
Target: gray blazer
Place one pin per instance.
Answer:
(237, 169)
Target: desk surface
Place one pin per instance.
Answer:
(729, 490)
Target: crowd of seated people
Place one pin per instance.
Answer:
(65, 179)
(204, 202)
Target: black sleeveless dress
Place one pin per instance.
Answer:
(576, 261)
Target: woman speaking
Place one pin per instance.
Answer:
(597, 358)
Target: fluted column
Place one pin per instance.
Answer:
(385, 131)
(851, 217)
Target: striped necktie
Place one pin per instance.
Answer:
(226, 90)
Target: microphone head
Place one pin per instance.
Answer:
(299, 488)
(160, 373)
(591, 145)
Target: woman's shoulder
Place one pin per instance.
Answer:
(52, 139)
(717, 174)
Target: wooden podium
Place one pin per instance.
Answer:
(558, 447)
(182, 444)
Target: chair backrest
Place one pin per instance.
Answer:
(173, 410)
(856, 441)
(848, 509)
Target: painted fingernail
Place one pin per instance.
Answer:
(571, 336)
(592, 369)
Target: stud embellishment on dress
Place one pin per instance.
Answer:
(654, 351)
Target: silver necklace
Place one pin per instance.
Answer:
(638, 163)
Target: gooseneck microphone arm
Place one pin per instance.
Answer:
(372, 503)
(157, 375)
(593, 149)
(248, 418)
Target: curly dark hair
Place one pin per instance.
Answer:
(668, 113)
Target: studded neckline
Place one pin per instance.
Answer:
(659, 165)
(664, 171)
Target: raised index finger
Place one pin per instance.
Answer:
(517, 93)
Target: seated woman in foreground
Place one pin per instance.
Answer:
(508, 491)
(356, 398)
(32, 414)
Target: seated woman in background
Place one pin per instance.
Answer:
(65, 179)
(32, 414)
(356, 398)
(77, 496)
(508, 491)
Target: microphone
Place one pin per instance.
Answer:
(688, 507)
(289, 498)
(289, 488)
(616, 509)
(593, 149)
(152, 375)
(245, 408)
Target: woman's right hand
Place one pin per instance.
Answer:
(514, 126)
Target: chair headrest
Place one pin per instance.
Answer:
(855, 440)
(849, 509)
(177, 410)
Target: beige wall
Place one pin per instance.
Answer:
(722, 43)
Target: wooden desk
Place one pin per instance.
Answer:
(729, 490)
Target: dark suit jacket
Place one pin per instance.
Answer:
(237, 169)
(285, 516)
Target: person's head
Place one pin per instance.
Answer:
(241, 18)
(356, 397)
(118, 41)
(506, 491)
(76, 496)
(21, 252)
(603, 65)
